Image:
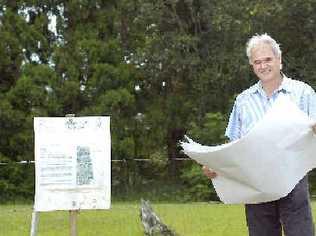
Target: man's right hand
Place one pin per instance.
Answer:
(208, 173)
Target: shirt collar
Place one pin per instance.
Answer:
(285, 86)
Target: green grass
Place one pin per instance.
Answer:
(188, 219)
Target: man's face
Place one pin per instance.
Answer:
(266, 65)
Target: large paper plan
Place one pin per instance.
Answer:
(268, 162)
(72, 163)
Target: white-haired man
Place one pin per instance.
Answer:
(293, 212)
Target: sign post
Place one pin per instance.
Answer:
(35, 217)
(73, 222)
(72, 213)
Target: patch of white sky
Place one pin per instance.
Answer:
(52, 26)
(132, 59)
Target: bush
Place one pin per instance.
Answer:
(199, 187)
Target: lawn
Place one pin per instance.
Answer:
(188, 219)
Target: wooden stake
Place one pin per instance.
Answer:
(72, 213)
(35, 218)
(73, 222)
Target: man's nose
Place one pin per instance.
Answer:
(263, 65)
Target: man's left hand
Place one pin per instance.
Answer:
(314, 128)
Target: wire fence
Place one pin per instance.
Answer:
(118, 160)
(179, 179)
(131, 179)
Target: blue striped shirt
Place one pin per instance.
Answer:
(251, 105)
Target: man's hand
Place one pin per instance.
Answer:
(314, 128)
(208, 173)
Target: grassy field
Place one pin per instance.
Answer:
(188, 219)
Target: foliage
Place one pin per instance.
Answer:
(211, 129)
(199, 186)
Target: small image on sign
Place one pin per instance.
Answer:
(84, 166)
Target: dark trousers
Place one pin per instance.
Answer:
(292, 213)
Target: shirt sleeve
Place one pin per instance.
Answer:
(311, 104)
(233, 129)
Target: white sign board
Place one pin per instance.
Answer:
(72, 163)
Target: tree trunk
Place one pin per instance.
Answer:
(174, 136)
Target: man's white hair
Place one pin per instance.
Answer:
(262, 38)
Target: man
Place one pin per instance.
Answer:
(293, 212)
